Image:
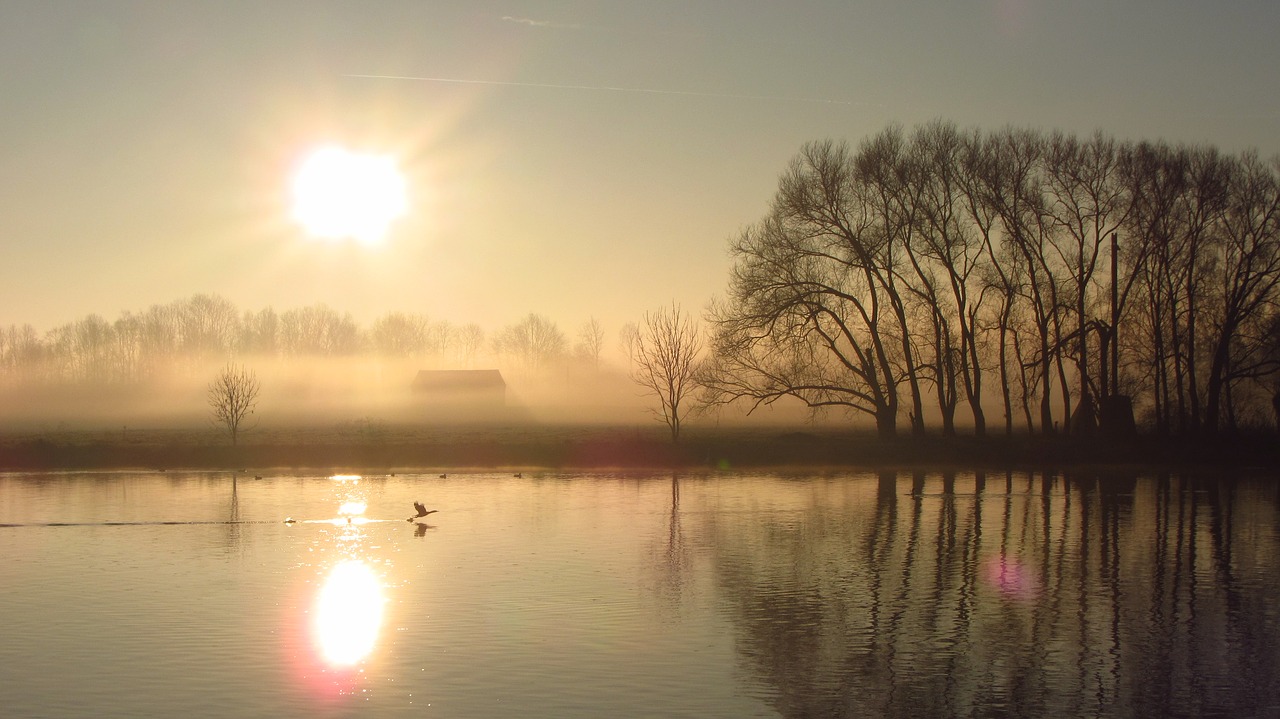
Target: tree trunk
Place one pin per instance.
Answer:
(1067, 427)
(1217, 379)
(887, 423)
(971, 374)
(1004, 372)
(1046, 379)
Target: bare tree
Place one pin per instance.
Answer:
(397, 334)
(535, 341)
(232, 396)
(207, 327)
(885, 189)
(591, 342)
(319, 331)
(470, 341)
(946, 257)
(1087, 203)
(259, 333)
(812, 311)
(1012, 186)
(664, 351)
(439, 337)
(1245, 283)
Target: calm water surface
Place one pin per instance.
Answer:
(589, 595)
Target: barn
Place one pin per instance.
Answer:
(461, 388)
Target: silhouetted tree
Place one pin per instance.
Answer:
(945, 255)
(1245, 283)
(664, 350)
(1181, 197)
(887, 192)
(1087, 202)
(232, 396)
(1014, 186)
(807, 314)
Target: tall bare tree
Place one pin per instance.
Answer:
(470, 341)
(946, 256)
(1245, 283)
(1012, 184)
(664, 350)
(397, 334)
(887, 191)
(207, 328)
(535, 342)
(1087, 202)
(591, 342)
(319, 331)
(232, 395)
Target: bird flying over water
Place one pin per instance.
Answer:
(422, 511)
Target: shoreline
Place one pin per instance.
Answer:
(531, 447)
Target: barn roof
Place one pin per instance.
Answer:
(458, 379)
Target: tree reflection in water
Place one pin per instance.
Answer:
(1058, 596)
(672, 556)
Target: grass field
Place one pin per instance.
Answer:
(373, 446)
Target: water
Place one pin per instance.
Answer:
(590, 595)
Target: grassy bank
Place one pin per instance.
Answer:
(374, 447)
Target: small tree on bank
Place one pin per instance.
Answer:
(232, 396)
(664, 350)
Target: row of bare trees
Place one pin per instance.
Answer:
(188, 335)
(906, 275)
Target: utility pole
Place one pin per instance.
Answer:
(1115, 413)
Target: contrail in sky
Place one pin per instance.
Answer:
(607, 88)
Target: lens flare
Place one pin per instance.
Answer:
(1011, 578)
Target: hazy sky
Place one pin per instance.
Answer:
(146, 147)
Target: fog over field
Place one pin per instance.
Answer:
(316, 366)
(314, 391)
(351, 392)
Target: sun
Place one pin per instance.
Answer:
(340, 194)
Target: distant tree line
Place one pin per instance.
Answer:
(927, 270)
(188, 335)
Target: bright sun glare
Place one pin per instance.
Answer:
(339, 194)
(349, 613)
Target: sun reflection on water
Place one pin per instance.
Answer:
(352, 509)
(347, 608)
(348, 613)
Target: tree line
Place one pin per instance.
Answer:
(933, 272)
(908, 275)
(186, 336)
